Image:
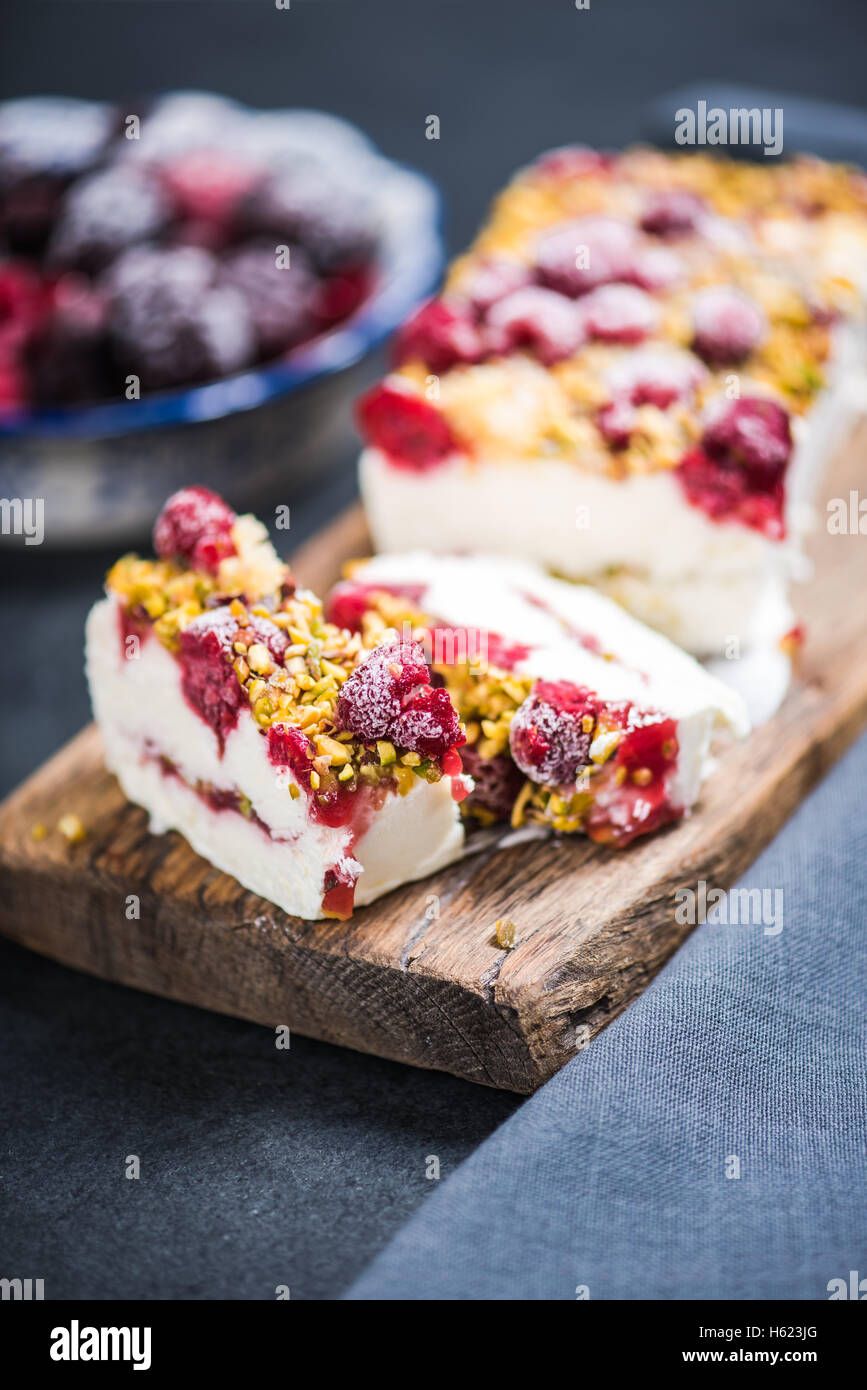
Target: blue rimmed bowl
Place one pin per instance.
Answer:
(259, 437)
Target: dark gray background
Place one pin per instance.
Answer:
(262, 1167)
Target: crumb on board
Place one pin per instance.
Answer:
(38, 831)
(71, 828)
(504, 929)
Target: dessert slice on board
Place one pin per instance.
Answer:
(635, 378)
(577, 716)
(234, 713)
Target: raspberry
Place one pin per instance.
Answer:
(25, 300)
(547, 736)
(195, 525)
(171, 324)
(104, 215)
(428, 723)
(546, 322)
(339, 295)
(578, 256)
(389, 696)
(753, 433)
(280, 302)
(657, 268)
(13, 386)
(727, 326)
(619, 314)
(371, 698)
(405, 427)
(649, 744)
(290, 747)
(498, 781)
(655, 377)
(672, 213)
(209, 684)
(492, 279)
(739, 471)
(69, 357)
(440, 334)
(573, 161)
(206, 188)
(617, 420)
(348, 601)
(717, 491)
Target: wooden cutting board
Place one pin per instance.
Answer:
(419, 976)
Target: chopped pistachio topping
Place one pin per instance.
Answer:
(299, 688)
(795, 230)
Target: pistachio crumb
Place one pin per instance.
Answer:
(71, 828)
(505, 932)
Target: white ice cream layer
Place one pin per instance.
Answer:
(699, 581)
(142, 714)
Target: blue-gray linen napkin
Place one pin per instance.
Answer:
(709, 1144)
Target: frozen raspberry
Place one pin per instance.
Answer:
(441, 334)
(206, 189)
(657, 268)
(739, 471)
(104, 215)
(13, 385)
(575, 257)
(498, 781)
(619, 314)
(542, 320)
(548, 738)
(428, 723)
(727, 326)
(290, 747)
(405, 427)
(171, 323)
(195, 525)
(651, 743)
(573, 161)
(617, 420)
(25, 300)
(340, 294)
(754, 434)
(68, 358)
(280, 300)
(206, 655)
(389, 696)
(672, 213)
(334, 222)
(371, 699)
(717, 490)
(655, 377)
(492, 279)
(349, 601)
(208, 681)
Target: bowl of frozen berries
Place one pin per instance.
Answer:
(191, 292)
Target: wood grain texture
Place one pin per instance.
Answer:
(593, 925)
